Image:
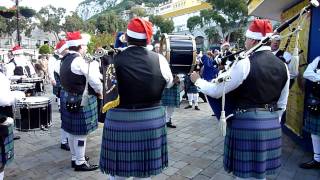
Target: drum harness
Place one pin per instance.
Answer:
(245, 54)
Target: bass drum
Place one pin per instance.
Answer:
(180, 51)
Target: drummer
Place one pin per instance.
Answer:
(19, 66)
(54, 75)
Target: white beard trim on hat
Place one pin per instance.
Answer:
(256, 35)
(17, 52)
(136, 35)
(85, 39)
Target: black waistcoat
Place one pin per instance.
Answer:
(139, 76)
(266, 79)
(71, 82)
(18, 70)
(280, 54)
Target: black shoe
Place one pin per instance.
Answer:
(197, 108)
(73, 163)
(170, 125)
(65, 147)
(85, 167)
(188, 107)
(313, 164)
(16, 138)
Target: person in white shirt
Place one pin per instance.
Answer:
(19, 65)
(54, 70)
(258, 89)
(81, 85)
(312, 120)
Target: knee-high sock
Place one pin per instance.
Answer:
(116, 178)
(2, 175)
(64, 137)
(71, 145)
(316, 146)
(79, 144)
(169, 112)
(238, 178)
(190, 98)
(196, 99)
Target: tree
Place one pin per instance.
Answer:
(73, 23)
(100, 40)
(140, 12)
(213, 35)
(110, 23)
(193, 22)
(230, 15)
(166, 26)
(45, 49)
(50, 19)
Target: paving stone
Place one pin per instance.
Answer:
(201, 177)
(220, 176)
(190, 171)
(170, 171)
(179, 164)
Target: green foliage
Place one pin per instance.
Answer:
(194, 22)
(73, 23)
(230, 15)
(213, 35)
(50, 18)
(110, 23)
(45, 49)
(27, 12)
(100, 40)
(140, 12)
(166, 26)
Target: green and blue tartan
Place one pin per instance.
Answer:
(82, 122)
(171, 96)
(252, 147)
(190, 87)
(7, 147)
(312, 123)
(134, 142)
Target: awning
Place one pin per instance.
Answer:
(271, 9)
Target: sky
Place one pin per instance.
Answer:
(70, 5)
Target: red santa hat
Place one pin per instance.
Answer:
(259, 29)
(61, 46)
(77, 39)
(17, 50)
(139, 28)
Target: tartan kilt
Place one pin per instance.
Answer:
(312, 123)
(252, 146)
(171, 96)
(189, 85)
(7, 147)
(192, 89)
(134, 142)
(57, 88)
(82, 122)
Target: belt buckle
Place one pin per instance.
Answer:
(269, 108)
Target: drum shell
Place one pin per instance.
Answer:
(39, 86)
(180, 51)
(32, 116)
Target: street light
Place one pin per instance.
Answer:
(18, 27)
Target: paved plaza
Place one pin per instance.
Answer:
(195, 152)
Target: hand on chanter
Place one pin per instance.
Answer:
(194, 76)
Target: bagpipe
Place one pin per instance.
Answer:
(242, 54)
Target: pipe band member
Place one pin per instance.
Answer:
(258, 88)
(134, 142)
(311, 122)
(78, 120)
(54, 75)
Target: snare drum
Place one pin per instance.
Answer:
(180, 51)
(37, 81)
(33, 113)
(27, 88)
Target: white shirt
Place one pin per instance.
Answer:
(6, 96)
(53, 66)
(80, 67)
(22, 61)
(239, 72)
(309, 73)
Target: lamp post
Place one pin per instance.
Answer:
(18, 27)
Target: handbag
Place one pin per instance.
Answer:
(73, 102)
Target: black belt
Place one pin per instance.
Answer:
(139, 106)
(261, 107)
